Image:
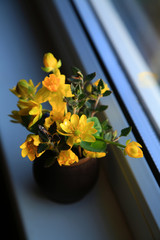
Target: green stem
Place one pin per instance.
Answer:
(80, 151)
(96, 103)
(45, 111)
(115, 143)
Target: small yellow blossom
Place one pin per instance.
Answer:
(106, 88)
(25, 89)
(67, 157)
(52, 83)
(54, 89)
(78, 129)
(51, 63)
(31, 108)
(133, 149)
(57, 114)
(49, 60)
(29, 147)
(94, 154)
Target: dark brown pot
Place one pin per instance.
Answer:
(66, 184)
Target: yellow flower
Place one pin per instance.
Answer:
(51, 63)
(54, 89)
(31, 108)
(78, 129)
(67, 157)
(133, 149)
(93, 154)
(16, 117)
(52, 82)
(106, 88)
(57, 114)
(25, 89)
(29, 147)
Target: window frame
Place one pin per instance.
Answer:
(138, 180)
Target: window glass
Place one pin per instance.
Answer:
(142, 20)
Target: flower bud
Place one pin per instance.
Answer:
(49, 61)
(89, 88)
(22, 88)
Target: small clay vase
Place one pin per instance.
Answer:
(66, 184)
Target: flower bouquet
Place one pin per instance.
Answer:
(69, 130)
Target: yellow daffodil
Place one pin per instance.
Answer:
(94, 154)
(24, 89)
(29, 147)
(31, 108)
(133, 149)
(78, 129)
(67, 157)
(106, 88)
(51, 63)
(54, 89)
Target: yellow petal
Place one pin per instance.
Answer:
(75, 120)
(42, 95)
(133, 150)
(88, 138)
(24, 152)
(36, 140)
(83, 119)
(31, 157)
(23, 145)
(66, 126)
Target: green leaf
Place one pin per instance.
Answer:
(34, 128)
(97, 146)
(108, 136)
(125, 131)
(72, 87)
(42, 147)
(77, 71)
(105, 126)
(100, 85)
(89, 77)
(46, 69)
(50, 160)
(101, 108)
(62, 144)
(107, 93)
(55, 138)
(59, 63)
(114, 135)
(90, 104)
(26, 120)
(53, 128)
(43, 133)
(81, 103)
(74, 80)
(81, 96)
(96, 125)
(65, 146)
